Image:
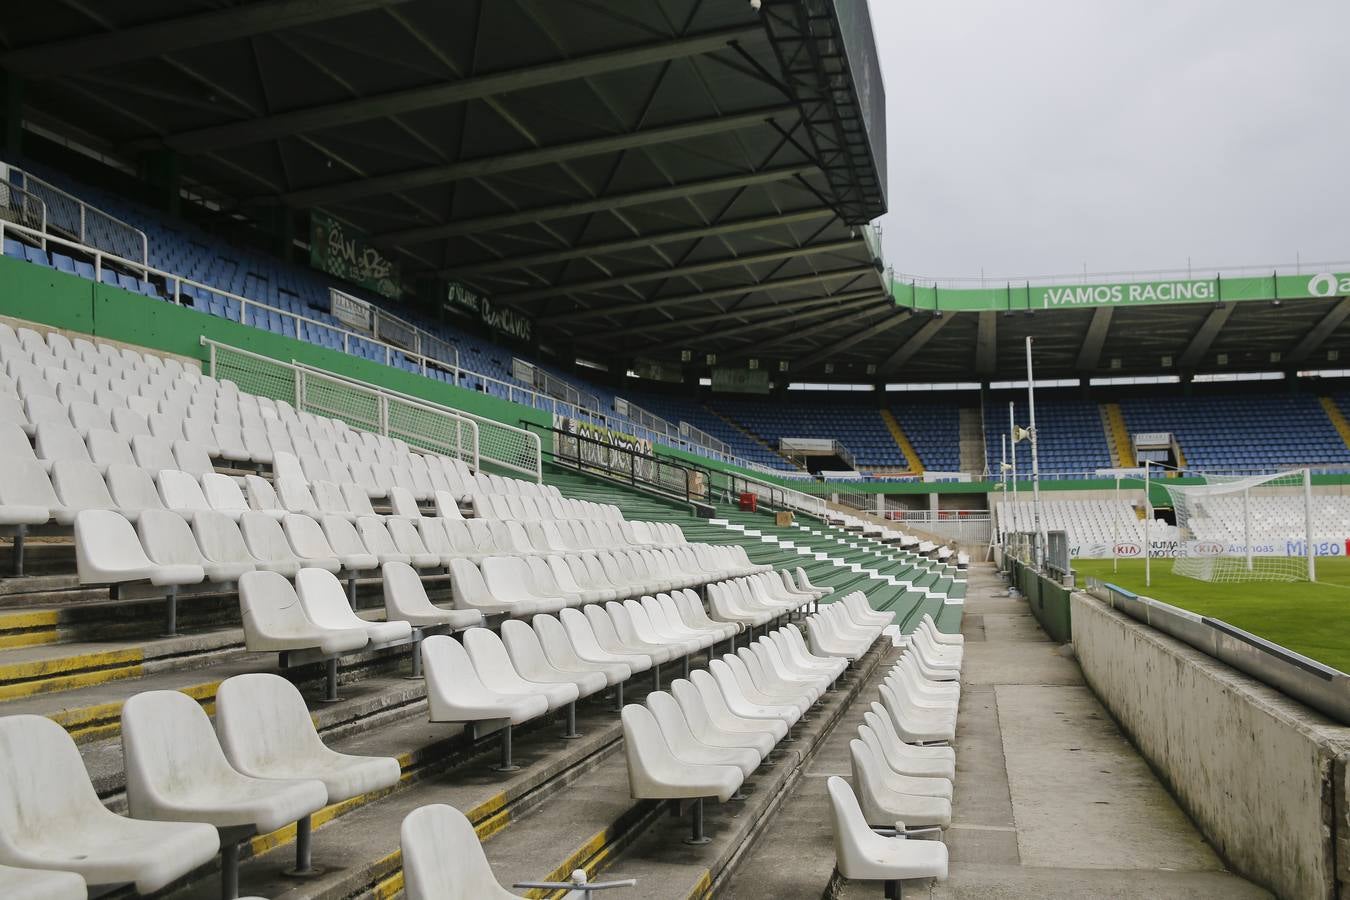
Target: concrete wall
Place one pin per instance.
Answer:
(1262, 775)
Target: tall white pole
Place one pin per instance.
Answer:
(1003, 477)
(1308, 524)
(1115, 529)
(1039, 555)
(1148, 521)
(1012, 438)
(1247, 524)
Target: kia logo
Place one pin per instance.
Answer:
(1207, 548)
(1128, 550)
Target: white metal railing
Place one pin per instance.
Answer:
(87, 224)
(649, 420)
(698, 436)
(250, 312)
(422, 424)
(23, 208)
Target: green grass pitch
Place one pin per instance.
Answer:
(1312, 619)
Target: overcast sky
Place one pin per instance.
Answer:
(1038, 136)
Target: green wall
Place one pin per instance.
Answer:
(77, 304)
(1048, 600)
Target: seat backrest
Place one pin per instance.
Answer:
(262, 718)
(168, 744)
(443, 858)
(260, 493)
(181, 491)
(79, 485)
(324, 600)
(375, 536)
(192, 457)
(356, 498)
(219, 538)
(131, 487)
(44, 786)
(295, 495)
(222, 492)
(152, 453)
(58, 440)
(404, 594)
(264, 538)
(269, 607)
(403, 503)
(167, 538)
(328, 496)
(849, 828)
(306, 537)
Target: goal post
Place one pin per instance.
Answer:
(1236, 528)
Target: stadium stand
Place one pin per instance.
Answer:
(934, 428)
(1277, 431)
(549, 596)
(860, 430)
(1087, 522)
(1072, 440)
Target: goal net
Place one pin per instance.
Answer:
(1234, 528)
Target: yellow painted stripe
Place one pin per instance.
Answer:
(28, 639)
(41, 618)
(902, 441)
(703, 888)
(68, 682)
(1337, 418)
(78, 663)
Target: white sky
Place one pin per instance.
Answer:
(1039, 136)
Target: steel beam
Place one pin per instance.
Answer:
(986, 344)
(699, 268)
(1089, 355)
(719, 294)
(1316, 335)
(484, 224)
(500, 163)
(1204, 336)
(401, 102)
(708, 318)
(889, 320)
(97, 51)
(637, 243)
(862, 306)
(905, 352)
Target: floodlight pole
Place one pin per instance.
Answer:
(1003, 477)
(1308, 524)
(1148, 520)
(1012, 439)
(1039, 553)
(1115, 531)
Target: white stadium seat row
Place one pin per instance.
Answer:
(903, 766)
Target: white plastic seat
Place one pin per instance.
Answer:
(168, 541)
(746, 707)
(107, 551)
(262, 497)
(587, 644)
(509, 576)
(700, 697)
(529, 659)
(655, 773)
(266, 731)
(863, 855)
(107, 448)
(916, 726)
(497, 672)
(37, 884)
(330, 500)
(350, 550)
(222, 495)
(407, 540)
(443, 858)
(308, 541)
(686, 747)
(221, 543)
(177, 772)
(614, 628)
(562, 653)
(471, 592)
(267, 542)
(152, 454)
(274, 619)
(295, 496)
(377, 540)
(403, 503)
(181, 492)
(51, 819)
(325, 605)
(405, 600)
(79, 486)
(884, 806)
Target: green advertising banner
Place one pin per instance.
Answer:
(1126, 294)
(466, 301)
(346, 253)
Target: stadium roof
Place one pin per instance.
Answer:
(648, 175)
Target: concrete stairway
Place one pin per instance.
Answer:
(972, 440)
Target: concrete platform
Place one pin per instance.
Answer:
(1051, 800)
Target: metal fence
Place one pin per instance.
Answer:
(23, 208)
(421, 424)
(1057, 554)
(86, 224)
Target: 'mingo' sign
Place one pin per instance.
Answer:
(461, 299)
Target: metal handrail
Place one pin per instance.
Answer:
(84, 210)
(630, 468)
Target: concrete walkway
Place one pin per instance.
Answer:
(1051, 800)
